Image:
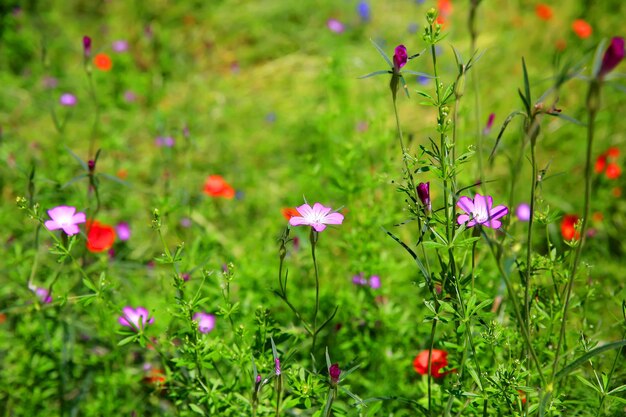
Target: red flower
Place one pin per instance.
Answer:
(613, 152)
(582, 29)
(100, 237)
(438, 360)
(216, 186)
(568, 227)
(289, 212)
(600, 163)
(103, 62)
(543, 11)
(613, 171)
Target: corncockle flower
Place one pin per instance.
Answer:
(123, 231)
(489, 124)
(66, 218)
(423, 192)
(258, 379)
(68, 100)
(335, 25)
(185, 277)
(120, 46)
(359, 279)
(334, 371)
(50, 82)
(400, 58)
(363, 9)
(480, 211)
(612, 57)
(87, 45)
(317, 217)
(185, 222)
(375, 282)
(206, 322)
(135, 318)
(523, 212)
(277, 366)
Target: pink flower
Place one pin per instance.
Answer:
(317, 217)
(41, 293)
(613, 56)
(523, 212)
(375, 282)
(335, 26)
(63, 217)
(489, 124)
(123, 231)
(479, 211)
(400, 57)
(67, 100)
(334, 371)
(206, 322)
(135, 318)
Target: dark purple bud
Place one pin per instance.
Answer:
(613, 56)
(258, 379)
(423, 192)
(334, 373)
(490, 120)
(400, 57)
(277, 366)
(87, 45)
(91, 164)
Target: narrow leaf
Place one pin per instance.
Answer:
(371, 74)
(584, 358)
(382, 53)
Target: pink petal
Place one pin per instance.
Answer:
(471, 223)
(79, 218)
(61, 211)
(321, 209)
(319, 226)
(52, 225)
(480, 204)
(334, 218)
(466, 204)
(297, 221)
(462, 219)
(489, 201)
(71, 229)
(498, 211)
(122, 320)
(305, 210)
(494, 224)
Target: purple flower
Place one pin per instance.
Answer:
(423, 80)
(123, 231)
(317, 217)
(206, 322)
(129, 96)
(359, 279)
(135, 318)
(185, 277)
(258, 379)
(335, 25)
(120, 46)
(400, 57)
(479, 211)
(68, 100)
(489, 124)
(523, 212)
(66, 218)
(613, 56)
(334, 373)
(363, 9)
(277, 366)
(41, 293)
(167, 141)
(375, 282)
(185, 222)
(87, 46)
(423, 192)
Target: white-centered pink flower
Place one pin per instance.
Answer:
(479, 211)
(317, 217)
(206, 322)
(66, 218)
(135, 318)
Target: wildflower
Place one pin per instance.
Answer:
(154, 377)
(334, 371)
(479, 211)
(490, 120)
(135, 318)
(359, 279)
(103, 62)
(49, 82)
(216, 186)
(87, 46)
(613, 152)
(335, 25)
(277, 366)
(423, 80)
(438, 361)
(568, 227)
(444, 7)
(600, 164)
(185, 222)
(63, 217)
(67, 100)
(412, 28)
(400, 58)
(206, 322)
(129, 96)
(581, 28)
(289, 212)
(363, 9)
(374, 282)
(423, 192)
(560, 44)
(100, 237)
(613, 171)
(317, 217)
(41, 293)
(185, 276)
(167, 141)
(523, 212)
(120, 46)
(612, 57)
(543, 11)
(123, 231)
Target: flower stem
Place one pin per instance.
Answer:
(529, 240)
(313, 238)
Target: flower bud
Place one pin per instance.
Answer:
(423, 192)
(612, 57)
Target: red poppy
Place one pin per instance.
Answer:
(613, 152)
(568, 227)
(103, 62)
(438, 360)
(289, 212)
(216, 186)
(155, 377)
(522, 396)
(582, 29)
(613, 171)
(100, 237)
(3, 318)
(597, 217)
(543, 11)
(600, 163)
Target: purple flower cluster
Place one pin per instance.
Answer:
(360, 280)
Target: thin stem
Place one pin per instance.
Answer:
(313, 237)
(433, 331)
(529, 240)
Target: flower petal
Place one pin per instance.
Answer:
(79, 218)
(334, 218)
(462, 219)
(498, 211)
(480, 204)
(298, 220)
(319, 226)
(71, 229)
(320, 209)
(52, 225)
(466, 204)
(305, 210)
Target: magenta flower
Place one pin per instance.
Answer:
(490, 120)
(400, 58)
(41, 293)
(277, 366)
(63, 217)
(359, 279)
(206, 322)
(480, 211)
(423, 192)
(135, 318)
(335, 26)
(68, 100)
(523, 212)
(374, 282)
(123, 231)
(87, 45)
(317, 217)
(120, 46)
(334, 371)
(164, 141)
(613, 56)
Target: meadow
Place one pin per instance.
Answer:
(332, 208)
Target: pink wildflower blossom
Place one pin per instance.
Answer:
(480, 211)
(135, 318)
(317, 217)
(206, 322)
(64, 217)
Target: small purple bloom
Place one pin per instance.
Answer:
(66, 218)
(613, 56)
(489, 124)
(423, 192)
(206, 322)
(400, 57)
(87, 46)
(185, 277)
(277, 366)
(270, 117)
(363, 9)
(334, 371)
(186, 131)
(123, 231)
(335, 25)
(359, 279)
(423, 80)
(135, 318)
(167, 141)
(120, 46)
(480, 212)
(129, 96)
(42, 293)
(68, 100)
(185, 222)
(375, 282)
(523, 212)
(258, 379)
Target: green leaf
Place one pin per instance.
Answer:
(127, 340)
(526, 85)
(196, 409)
(89, 285)
(78, 159)
(508, 120)
(618, 389)
(597, 58)
(568, 118)
(372, 74)
(584, 358)
(382, 53)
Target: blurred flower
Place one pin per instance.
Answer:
(438, 361)
(154, 377)
(400, 57)
(335, 25)
(444, 7)
(167, 141)
(120, 46)
(334, 372)
(612, 57)
(613, 152)
(64, 217)
(363, 9)
(289, 212)
(206, 322)
(123, 231)
(608, 161)
(185, 222)
(103, 62)
(129, 96)
(489, 124)
(423, 80)
(423, 192)
(216, 186)
(185, 277)
(270, 117)
(523, 212)
(135, 318)
(600, 164)
(479, 211)
(317, 217)
(568, 227)
(581, 28)
(375, 282)
(50, 82)
(597, 217)
(359, 279)
(67, 100)
(560, 44)
(277, 366)
(613, 171)
(616, 192)
(100, 237)
(41, 293)
(543, 11)
(87, 46)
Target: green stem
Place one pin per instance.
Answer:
(313, 238)
(433, 331)
(529, 239)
